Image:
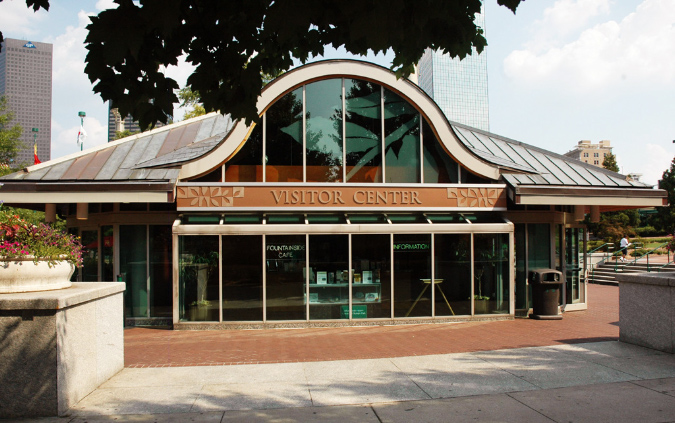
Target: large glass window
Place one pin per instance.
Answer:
(438, 165)
(452, 260)
(363, 131)
(402, 140)
(90, 256)
(285, 263)
(161, 271)
(371, 291)
(491, 273)
(328, 276)
(323, 108)
(284, 153)
(198, 278)
(246, 165)
(412, 275)
(522, 291)
(133, 268)
(107, 272)
(242, 278)
(342, 139)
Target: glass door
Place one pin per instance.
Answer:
(574, 260)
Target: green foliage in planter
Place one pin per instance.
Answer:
(20, 239)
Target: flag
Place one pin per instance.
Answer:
(35, 156)
(81, 136)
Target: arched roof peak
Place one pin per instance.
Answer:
(348, 69)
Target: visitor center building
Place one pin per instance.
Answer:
(353, 200)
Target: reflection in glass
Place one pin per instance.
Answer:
(522, 288)
(439, 168)
(90, 256)
(285, 261)
(402, 140)
(371, 260)
(363, 128)
(284, 139)
(246, 165)
(133, 268)
(491, 273)
(328, 276)
(323, 106)
(242, 278)
(107, 272)
(198, 278)
(539, 247)
(412, 275)
(453, 274)
(161, 271)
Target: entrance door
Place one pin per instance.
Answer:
(574, 261)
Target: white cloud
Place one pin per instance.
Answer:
(64, 140)
(69, 54)
(17, 20)
(565, 17)
(640, 47)
(651, 160)
(105, 4)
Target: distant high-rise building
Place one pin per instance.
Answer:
(459, 87)
(117, 123)
(26, 81)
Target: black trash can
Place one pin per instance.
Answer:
(546, 289)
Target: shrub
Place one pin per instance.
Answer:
(20, 239)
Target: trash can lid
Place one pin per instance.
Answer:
(546, 277)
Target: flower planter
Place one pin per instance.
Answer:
(23, 275)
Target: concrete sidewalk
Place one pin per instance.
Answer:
(591, 382)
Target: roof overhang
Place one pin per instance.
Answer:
(80, 192)
(348, 69)
(589, 196)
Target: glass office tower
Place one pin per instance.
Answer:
(459, 87)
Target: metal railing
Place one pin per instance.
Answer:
(641, 256)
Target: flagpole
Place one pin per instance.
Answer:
(35, 155)
(82, 115)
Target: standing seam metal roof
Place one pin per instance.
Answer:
(543, 167)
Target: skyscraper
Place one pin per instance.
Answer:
(117, 123)
(26, 81)
(459, 87)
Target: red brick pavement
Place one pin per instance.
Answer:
(144, 347)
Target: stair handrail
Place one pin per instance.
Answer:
(648, 253)
(591, 266)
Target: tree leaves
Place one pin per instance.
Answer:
(233, 43)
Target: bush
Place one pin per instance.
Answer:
(21, 239)
(648, 231)
(639, 252)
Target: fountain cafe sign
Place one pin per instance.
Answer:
(203, 197)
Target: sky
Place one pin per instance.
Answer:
(559, 71)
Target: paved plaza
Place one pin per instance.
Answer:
(571, 370)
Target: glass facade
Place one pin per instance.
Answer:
(343, 129)
(342, 276)
(363, 131)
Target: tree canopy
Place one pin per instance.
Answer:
(609, 163)
(234, 44)
(10, 144)
(666, 215)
